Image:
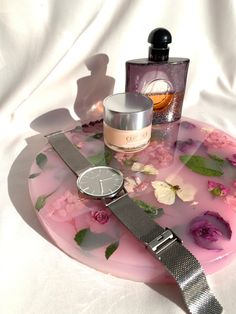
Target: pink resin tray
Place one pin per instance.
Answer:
(185, 180)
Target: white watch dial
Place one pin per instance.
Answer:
(100, 181)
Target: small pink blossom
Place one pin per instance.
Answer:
(158, 154)
(135, 184)
(122, 157)
(100, 216)
(231, 201)
(234, 184)
(141, 187)
(216, 139)
(65, 207)
(232, 160)
(217, 189)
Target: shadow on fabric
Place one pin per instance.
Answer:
(18, 177)
(92, 89)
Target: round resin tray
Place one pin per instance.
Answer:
(185, 180)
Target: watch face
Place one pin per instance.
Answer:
(100, 181)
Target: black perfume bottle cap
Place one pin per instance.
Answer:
(159, 39)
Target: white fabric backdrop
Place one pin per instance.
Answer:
(44, 45)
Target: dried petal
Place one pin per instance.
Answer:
(147, 169)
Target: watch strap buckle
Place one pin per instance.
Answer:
(162, 242)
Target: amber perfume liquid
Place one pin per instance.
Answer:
(166, 106)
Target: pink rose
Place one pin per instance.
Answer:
(100, 216)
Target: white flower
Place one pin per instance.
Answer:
(165, 192)
(147, 169)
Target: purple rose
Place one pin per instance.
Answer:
(187, 145)
(208, 229)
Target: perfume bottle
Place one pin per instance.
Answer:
(159, 77)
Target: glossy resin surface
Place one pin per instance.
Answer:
(185, 180)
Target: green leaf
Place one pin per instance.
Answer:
(111, 249)
(41, 160)
(98, 136)
(202, 165)
(79, 237)
(41, 201)
(129, 162)
(108, 155)
(98, 160)
(34, 175)
(216, 158)
(149, 209)
(89, 240)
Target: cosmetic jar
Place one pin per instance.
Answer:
(127, 122)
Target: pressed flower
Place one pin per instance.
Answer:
(147, 169)
(124, 158)
(217, 189)
(187, 125)
(217, 139)
(100, 216)
(187, 145)
(232, 160)
(65, 207)
(130, 184)
(208, 229)
(159, 154)
(231, 201)
(165, 192)
(135, 184)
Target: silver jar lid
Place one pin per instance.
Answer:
(128, 111)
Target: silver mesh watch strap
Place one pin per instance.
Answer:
(162, 243)
(188, 273)
(68, 152)
(169, 250)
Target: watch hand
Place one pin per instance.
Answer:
(106, 179)
(101, 186)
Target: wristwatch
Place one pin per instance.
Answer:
(107, 184)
